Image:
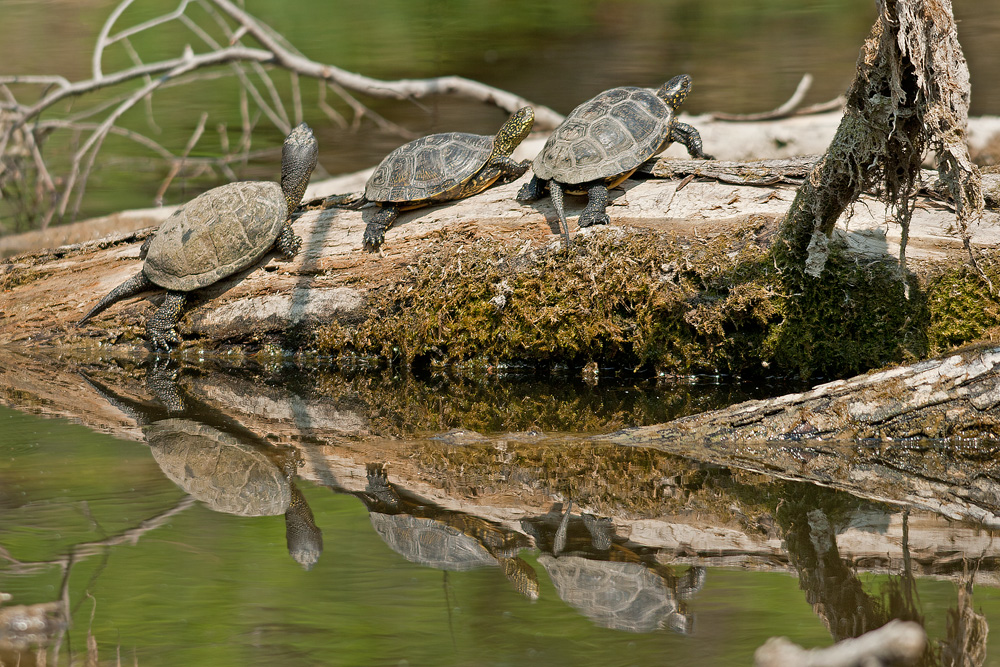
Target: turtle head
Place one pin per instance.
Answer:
(298, 159)
(674, 92)
(514, 131)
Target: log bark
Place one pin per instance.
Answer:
(47, 291)
(922, 434)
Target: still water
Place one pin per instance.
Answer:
(744, 57)
(277, 514)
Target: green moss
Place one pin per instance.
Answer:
(621, 299)
(855, 317)
(643, 299)
(962, 309)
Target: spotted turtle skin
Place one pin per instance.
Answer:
(442, 167)
(218, 234)
(604, 140)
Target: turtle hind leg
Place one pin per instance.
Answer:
(557, 200)
(288, 243)
(597, 202)
(689, 137)
(531, 191)
(375, 231)
(160, 327)
(134, 285)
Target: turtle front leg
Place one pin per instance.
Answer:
(375, 231)
(160, 327)
(531, 191)
(597, 202)
(687, 135)
(288, 243)
(510, 169)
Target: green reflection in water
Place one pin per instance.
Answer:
(202, 587)
(209, 588)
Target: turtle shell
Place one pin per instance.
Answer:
(606, 136)
(430, 542)
(429, 168)
(617, 595)
(218, 469)
(216, 234)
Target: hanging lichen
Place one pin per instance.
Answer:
(910, 95)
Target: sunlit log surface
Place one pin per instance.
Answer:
(47, 291)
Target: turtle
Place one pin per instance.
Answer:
(234, 476)
(604, 140)
(442, 167)
(446, 540)
(220, 462)
(606, 580)
(217, 234)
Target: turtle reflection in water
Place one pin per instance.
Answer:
(221, 463)
(446, 540)
(597, 574)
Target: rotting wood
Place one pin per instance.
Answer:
(922, 435)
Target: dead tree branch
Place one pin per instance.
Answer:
(910, 95)
(787, 109)
(229, 38)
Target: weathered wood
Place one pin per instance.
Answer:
(922, 435)
(46, 292)
(336, 439)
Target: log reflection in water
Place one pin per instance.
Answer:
(655, 515)
(615, 586)
(446, 540)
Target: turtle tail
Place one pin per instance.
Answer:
(556, 193)
(137, 283)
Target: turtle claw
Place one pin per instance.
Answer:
(531, 191)
(162, 341)
(373, 240)
(588, 218)
(287, 243)
(289, 250)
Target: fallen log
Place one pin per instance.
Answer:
(335, 299)
(923, 435)
(332, 279)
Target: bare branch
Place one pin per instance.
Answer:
(400, 89)
(29, 173)
(785, 110)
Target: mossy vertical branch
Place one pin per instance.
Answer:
(911, 92)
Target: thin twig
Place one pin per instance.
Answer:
(178, 164)
(783, 111)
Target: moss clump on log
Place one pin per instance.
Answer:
(644, 299)
(961, 307)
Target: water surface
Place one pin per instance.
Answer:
(454, 529)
